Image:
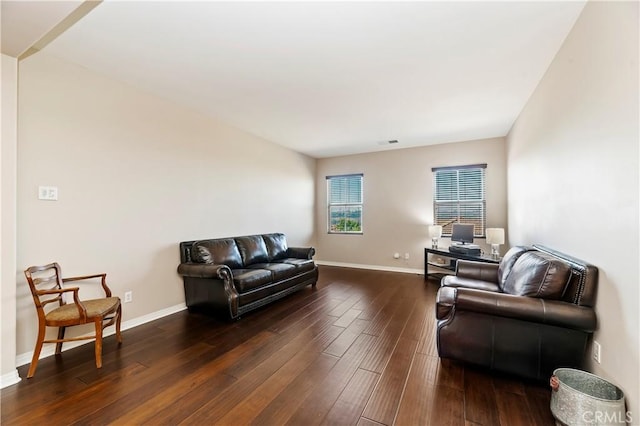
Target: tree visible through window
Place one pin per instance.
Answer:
(459, 197)
(344, 199)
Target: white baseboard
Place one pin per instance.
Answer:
(9, 379)
(372, 267)
(49, 349)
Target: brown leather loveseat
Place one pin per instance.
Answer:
(232, 276)
(528, 315)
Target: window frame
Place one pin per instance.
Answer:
(331, 204)
(458, 202)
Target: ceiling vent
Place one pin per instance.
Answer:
(385, 143)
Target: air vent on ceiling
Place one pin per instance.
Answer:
(385, 143)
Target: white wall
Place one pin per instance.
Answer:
(398, 201)
(573, 174)
(8, 374)
(137, 175)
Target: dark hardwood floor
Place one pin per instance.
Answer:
(358, 350)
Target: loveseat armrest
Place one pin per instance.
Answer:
(301, 252)
(532, 309)
(477, 270)
(205, 270)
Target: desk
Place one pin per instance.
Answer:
(450, 260)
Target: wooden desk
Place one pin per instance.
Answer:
(450, 260)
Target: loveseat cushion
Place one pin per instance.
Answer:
(538, 274)
(456, 281)
(276, 246)
(252, 249)
(222, 251)
(507, 262)
(248, 279)
(279, 271)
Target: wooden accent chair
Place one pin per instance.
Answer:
(46, 287)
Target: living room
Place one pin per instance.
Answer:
(138, 173)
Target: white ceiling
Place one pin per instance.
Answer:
(331, 78)
(26, 22)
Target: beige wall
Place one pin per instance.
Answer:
(9, 73)
(398, 201)
(573, 173)
(137, 175)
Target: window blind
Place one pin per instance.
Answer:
(344, 200)
(459, 197)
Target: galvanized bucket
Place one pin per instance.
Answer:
(585, 399)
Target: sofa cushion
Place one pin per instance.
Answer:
(248, 279)
(222, 251)
(279, 271)
(302, 265)
(276, 246)
(456, 281)
(252, 249)
(538, 274)
(201, 254)
(507, 262)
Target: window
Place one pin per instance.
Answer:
(459, 196)
(344, 198)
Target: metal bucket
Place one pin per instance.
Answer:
(585, 399)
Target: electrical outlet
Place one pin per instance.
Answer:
(128, 296)
(596, 351)
(406, 256)
(48, 193)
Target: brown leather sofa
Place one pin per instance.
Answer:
(527, 316)
(232, 276)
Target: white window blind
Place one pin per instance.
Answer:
(344, 200)
(459, 197)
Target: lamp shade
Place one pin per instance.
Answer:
(435, 231)
(495, 235)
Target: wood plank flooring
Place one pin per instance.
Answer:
(358, 350)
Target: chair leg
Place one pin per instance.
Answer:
(36, 351)
(118, 320)
(99, 343)
(61, 331)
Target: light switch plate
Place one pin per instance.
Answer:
(48, 193)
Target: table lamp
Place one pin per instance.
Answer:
(495, 237)
(435, 232)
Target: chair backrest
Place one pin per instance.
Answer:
(41, 279)
(583, 282)
(507, 262)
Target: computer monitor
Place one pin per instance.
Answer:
(462, 233)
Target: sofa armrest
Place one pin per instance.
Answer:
(301, 252)
(205, 270)
(477, 270)
(445, 301)
(532, 309)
